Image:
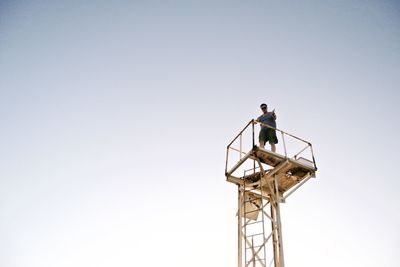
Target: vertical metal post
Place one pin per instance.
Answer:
(253, 252)
(240, 234)
(312, 154)
(284, 143)
(274, 235)
(252, 131)
(226, 161)
(252, 134)
(244, 221)
(240, 140)
(262, 214)
(278, 222)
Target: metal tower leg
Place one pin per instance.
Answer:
(240, 233)
(277, 226)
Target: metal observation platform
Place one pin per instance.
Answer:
(264, 180)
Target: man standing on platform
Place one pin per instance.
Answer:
(267, 133)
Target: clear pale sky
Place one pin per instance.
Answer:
(115, 116)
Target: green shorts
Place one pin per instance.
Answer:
(268, 135)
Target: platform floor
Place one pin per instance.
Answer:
(290, 172)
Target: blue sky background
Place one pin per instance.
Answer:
(116, 116)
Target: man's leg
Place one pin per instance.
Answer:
(273, 147)
(262, 143)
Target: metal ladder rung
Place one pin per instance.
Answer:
(258, 259)
(254, 235)
(251, 223)
(255, 247)
(263, 261)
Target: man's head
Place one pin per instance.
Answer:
(263, 107)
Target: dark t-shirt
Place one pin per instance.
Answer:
(267, 119)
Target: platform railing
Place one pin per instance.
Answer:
(293, 147)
